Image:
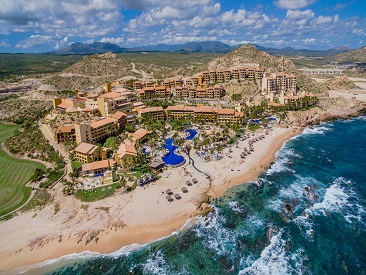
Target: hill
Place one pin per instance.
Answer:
(250, 54)
(93, 70)
(96, 47)
(358, 55)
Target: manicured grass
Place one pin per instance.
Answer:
(14, 174)
(96, 193)
(76, 165)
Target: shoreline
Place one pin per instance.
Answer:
(141, 230)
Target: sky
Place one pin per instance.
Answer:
(35, 26)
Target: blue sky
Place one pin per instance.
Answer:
(47, 25)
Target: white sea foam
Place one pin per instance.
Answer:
(318, 129)
(275, 259)
(340, 198)
(156, 264)
(282, 160)
(215, 236)
(305, 224)
(294, 191)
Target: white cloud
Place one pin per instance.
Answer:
(113, 40)
(64, 17)
(4, 44)
(293, 4)
(309, 40)
(37, 40)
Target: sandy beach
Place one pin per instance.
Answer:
(138, 217)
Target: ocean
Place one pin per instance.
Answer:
(306, 214)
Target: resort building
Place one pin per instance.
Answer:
(96, 130)
(97, 167)
(125, 151)
(120, 119)
(205, 114)
(140, 135)
(65, 133)
(86, 152)
(153, 113)
(273, 84)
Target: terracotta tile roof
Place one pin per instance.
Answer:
(64, 105)
(118, 115)
(152, 109)
(86, 148)
(65, 128)
(140, 133)
(101, 122)
(205, 109)
(138, 104)
(126, 148)
(225, 111)
(103, 164)
(111, 95)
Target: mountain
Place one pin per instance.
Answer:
(101, 47)
(358, 55)
(291, 52)
(206, 46)
(96, 47)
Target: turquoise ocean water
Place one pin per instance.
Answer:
(305, 215)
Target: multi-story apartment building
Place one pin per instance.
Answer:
(228, 75)
(65, 133)
(213, 76)
(153, 113)
(180, 112)
(87, 152)
(220, 76)
(279, 83)
(205, 114)
(146, 92)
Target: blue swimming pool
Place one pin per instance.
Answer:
(192, 134)
(171, 158)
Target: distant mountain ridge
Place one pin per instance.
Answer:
(94, 48)
(205, 46)
(102, 47)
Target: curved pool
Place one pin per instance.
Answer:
(171, 158)
(192, 134)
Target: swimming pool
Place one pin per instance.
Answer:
(171, 158)
(192, 134)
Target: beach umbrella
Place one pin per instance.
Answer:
(168, 197)
(169, 192)
(184, 190)
(194, 180)
(188, 183)
(177, 196)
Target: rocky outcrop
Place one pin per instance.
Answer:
(329, 109)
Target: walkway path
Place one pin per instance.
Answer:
(24, 204)
(48, 135)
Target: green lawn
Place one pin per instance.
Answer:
(14, 174)
(97, 193)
